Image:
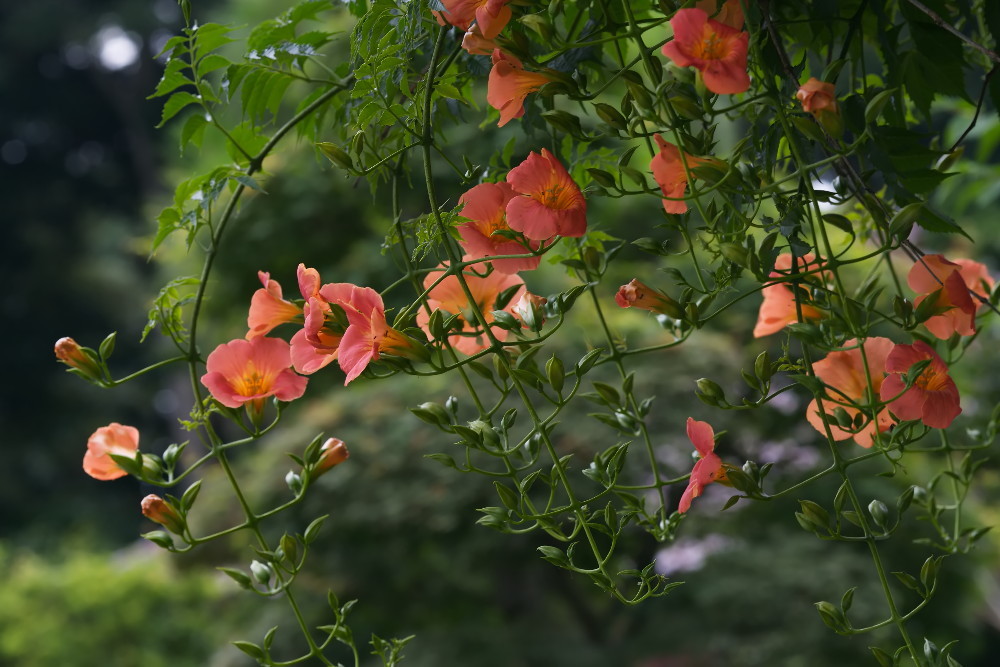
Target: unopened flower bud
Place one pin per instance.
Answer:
(157, 509)
(332, 453)
(531, 309)
(70, 353)
(819, 99)
(261, 571)
(638, 295)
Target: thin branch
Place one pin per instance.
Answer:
(979, 107)
(992, 55)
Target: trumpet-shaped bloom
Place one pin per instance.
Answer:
(548, 201)
(668, 172)
(491, 16)
(115, 439)
(308, 358)
(509, 84)
(707, 469)
(268, 309)
(715, 49)
(449, 296)
(817, 96)
(316, 345)
(844, 372)
(951, 283)
(731, 13)
(369, 334)
(248, 371)
(486, 209)
(778, 309)
(933, 398)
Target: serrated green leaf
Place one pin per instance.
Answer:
(175, 103)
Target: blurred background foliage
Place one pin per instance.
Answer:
(84, 174)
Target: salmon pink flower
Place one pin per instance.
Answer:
(449, 296)
(707, 469)
(844, 372)
(114, 439)
(933, 398)
(309, 282)
(949, 283)
(486, 209)
(369, 334)
(268, 309)
(817, 96)
(248, 371)
(716, 50)
(778, 309)
(549, 202)
(668, 172)
(509, 84)
(491, 16)
(316, 344)
(731, 13)
(308, 358)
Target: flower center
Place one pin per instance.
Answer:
(252, 382)
(556, 196)
(711, 46)
(931, 379)
(498, 223)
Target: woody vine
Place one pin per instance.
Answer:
(617, 100)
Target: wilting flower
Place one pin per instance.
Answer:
(530, 308)
(707, 469)
(268, 309)
(549, 202)
(111, 439)
(933, 398)
(716, 50)
(817, 96)
(369, 334)
(486, 209)
(951, 282)
(476, 44)
(844, 372)
(332, 453)
(157, 509)
(509, 84)
(248, 371)
(731, 13)
(491, 16)
(636, 294)
(778, 309)
(449, 296)
(70, 353)
(668, 172)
